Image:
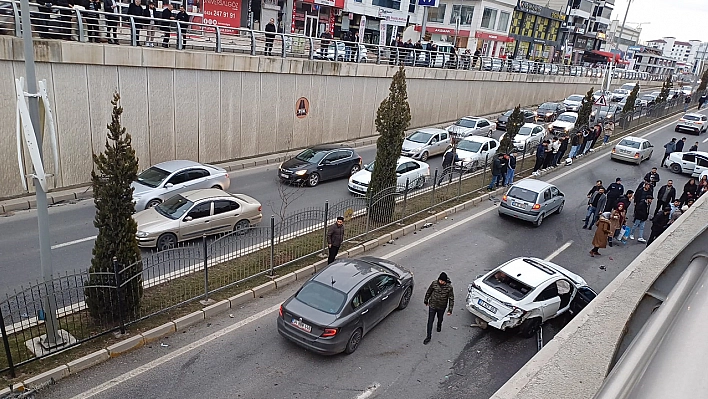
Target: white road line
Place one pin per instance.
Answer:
(559, 250)
(705, 141)
(80, 240)
(171, 356)
(369, 391)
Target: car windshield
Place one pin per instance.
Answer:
(618, 91)
(575, 98)
(523, 194)
(567, 118)
(598, 93)
(691, 118)
(468, 145)
(508, 113)
(604, 108)
(687, 88)
(152, 177)
(466, 123)
(174, 207)
(630, 144)
(370, 167)
(550, 106)
(312, 155)
(524, 131)
(321, 297)
(419, 137)
(647, 97)
(510, 286)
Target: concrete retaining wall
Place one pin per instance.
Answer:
(212, 107)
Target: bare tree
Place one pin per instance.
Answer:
(288, 192)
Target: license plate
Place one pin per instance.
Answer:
(625, 151)
(487, 306)
(299, 324)
(284, 176)
(518, 205)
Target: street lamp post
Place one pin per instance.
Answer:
(618, 38)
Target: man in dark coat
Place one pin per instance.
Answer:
(335, 238)
(111, 8)
(680, 144)
(665, 196)
(270, 37)
(641, 214)
(540, 156)
(511, 167)
(183, 17)
(659, 224)
(440, 295)
(138, 13)
(653, 177)
(614, 191)
(497, 166)
(449, 158)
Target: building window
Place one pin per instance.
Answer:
(541, 28)
(503, 24)
(489, 18)
(436, 14)
(411, 6)
(553, 31)
(527, 27)
(393, 4)
(516, 23)
(464, 12)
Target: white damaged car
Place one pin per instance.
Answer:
(526, 292)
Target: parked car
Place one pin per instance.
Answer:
(532, 200)
(573, 102)
(320, 163)
(425, 143)
(341, 53)
(632, 149)
(628, 86)
(529, 136)
(607, 112)
(596, 95)
(475, 151)
(529, 116)
(550, 69)
(472, 125)
(164, 180)
(695, 122)
(339, 305)
(686, 162)
(408, 170)
(647, 100)
(564, 123)
(438, 59)
(193, 214)
(492, 64)
(526, 292)
(548, 112)
(523, 66)
(618, 95)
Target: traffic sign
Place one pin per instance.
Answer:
(601, 101)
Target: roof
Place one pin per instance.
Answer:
(529, 124)
(532, 184)
(657, 41)
(634, 138)
(432, 130)
(682, 43)
(523, 270)
(171, 166)
(472, 118)
(331, 147)
(348, 273)
(479, 139)
(196, 195)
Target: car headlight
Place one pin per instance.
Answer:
(549, 113)
(142, 234)
(301, 172)
(567, 129)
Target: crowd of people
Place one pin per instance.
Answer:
(551, 153)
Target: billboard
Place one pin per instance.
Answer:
(225, 13)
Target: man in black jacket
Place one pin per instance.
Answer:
(641, 214)
(659, 224)
(167, 18)
(138, 13)
(440, 295)
(182, 16)
(665, 196)
(614, 191)
(335, 238)
(111, 8)
(270, 37)
(643, 190)
(497, 166)
(680, 144)
(511, 167)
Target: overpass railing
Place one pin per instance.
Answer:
(81, 25)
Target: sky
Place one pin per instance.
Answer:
(683, 19)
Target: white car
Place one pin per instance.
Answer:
(564, 123)
(529, 136)
(408, 170)
(632, 149)
(474, 151)
(619, 95)
(686, 162)
(472, 125)
(697, 123)
(425, 143)
(341, 53)
(686, 90)
(573, 103)
(526, 292)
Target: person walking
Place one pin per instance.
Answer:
(641, 214)
(602, 233)
(166, 27)
(510, 169)
(496, 171)
(335, 237)
(449, 159)
(137, 11)
(596, 204)
(669, 148)
(182, 16)
(653, 177)
(270, 37)
(540, 156)
(659, 224)
(694, 147)
(440, 295)
(665, 196)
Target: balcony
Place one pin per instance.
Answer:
(576, 12)
(603, 20)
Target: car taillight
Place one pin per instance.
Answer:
(536, 206)
(260, 208)
(636, 155)
(360, 161)
(504, 197)
(280, 311)
(329, 332)
(614, 150)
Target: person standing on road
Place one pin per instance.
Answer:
(510, 169)
(497, 165)
(609, 130)
(694, 147)
(641, 214)
(665, 196)
(270, 37)
(548, 156)
(602, 233)
(690, 189)
(596, 204)
(652, 177)
(440, 295)
(617, 220)
(597, 186)
(686, 103)
(540, 156)
(449, 159)
(659, 224)
(335, 237)
(614, 191)
(625, 199)
(679, 145)
(702, 100)
(669, 148)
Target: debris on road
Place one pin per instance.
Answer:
(164, 345)
(603, 267)
(425, 226)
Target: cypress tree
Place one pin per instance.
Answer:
(516, 120)
(115, 169)
(631, 99)
(585, 109)
(392, 119)
(664, 95)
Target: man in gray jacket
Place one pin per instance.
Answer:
(669, 148)
(596, 204)
(335, 237)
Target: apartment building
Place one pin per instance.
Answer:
(587, 25)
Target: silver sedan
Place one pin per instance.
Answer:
(166, 179)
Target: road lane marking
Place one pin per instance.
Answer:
(80, 240)
(705, 141)
(559, 250)
(369, 391)
(171, 356)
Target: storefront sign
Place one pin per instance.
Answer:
(362, 28)
(581, 42)
(601, 36)
(392, 18)
(526, 6)
(383, 26)
(489, 36)
(558, 15)
(225, 13)
(394, 32)
(531, 8)
(443, 31)
(580, 31)
(332, 20)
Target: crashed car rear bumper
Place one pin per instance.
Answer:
(501, 324)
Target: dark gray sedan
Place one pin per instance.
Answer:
(340, 304)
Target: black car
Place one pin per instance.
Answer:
(529, 117)
(319, 163)
(336, 307)
(548, 112)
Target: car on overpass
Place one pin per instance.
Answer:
(687, 162)
(424, 143)
(528, 115)
(618, 95)
(531, 200)
(339, 305)
(632, 149)
(472, 125)
(524, 293)
(694, 122)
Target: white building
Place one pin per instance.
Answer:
(629, 37)
(683, 52)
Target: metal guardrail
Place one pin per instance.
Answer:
(78, 24)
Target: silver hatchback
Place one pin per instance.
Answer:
(532, 200)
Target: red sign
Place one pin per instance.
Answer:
(225, 13)
(443, 31)
(496, 38)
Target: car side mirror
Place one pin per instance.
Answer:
(187, 218)
(169, 185)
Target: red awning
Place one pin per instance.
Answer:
(443, 31)
(489, 36)
(610, 56)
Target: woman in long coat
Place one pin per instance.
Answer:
(603, 231)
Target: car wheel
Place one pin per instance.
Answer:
(153, 203)
(424, 156)
(675, 167)
(560, 208)
(539, 221)
(530, 326)
(166, 241)
(420, 182)
(216, 186)
(242, 226)
(406, 298)
(353, 342)
(313, 180)
(676, 129)
(355, 168)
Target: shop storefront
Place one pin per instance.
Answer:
(459, 37)
(375, 25)
(493, 45)
(314, 17)
(536, 32)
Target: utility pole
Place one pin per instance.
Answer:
(422, 24)
(52, 338)
(618, 38)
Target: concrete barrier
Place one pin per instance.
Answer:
(263, 289)
(241, 298)
(188, 320)
(285, 280)
(219, 307)
(159, 332)
(87, 361)
(54, 374)
(126, 345)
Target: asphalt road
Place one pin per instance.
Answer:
(72, 232)
(245, 357)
